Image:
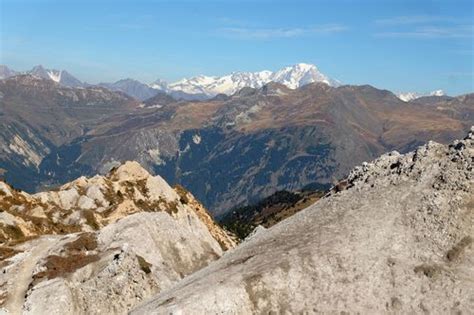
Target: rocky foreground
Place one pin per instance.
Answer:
(100, 244)
(395, 237)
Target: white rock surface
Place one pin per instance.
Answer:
(5, 189)
(174, 248)
(85, 202)
(398, 240)
(95, 193)
(68, 198)
(125, 237)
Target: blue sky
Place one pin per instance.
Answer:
(397, 45)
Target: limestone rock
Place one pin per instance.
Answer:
(395, 237)
(101, 244)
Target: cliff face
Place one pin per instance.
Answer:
(395, 236)
(101, 244)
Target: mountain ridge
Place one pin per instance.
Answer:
(204, 87)
(399, 225)
(411, 96)
(126, 235)
(245, 146)
(292, 76)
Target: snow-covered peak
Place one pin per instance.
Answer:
(407, 96)
(438, 93)
(59, 76)
(198, 80)
(159, 85)
(410, 96)
(292, 76)
(39, 71)
(55, 75)
(300, 75)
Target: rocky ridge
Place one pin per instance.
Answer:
(195, 88)
(394, 237)
(101, 244)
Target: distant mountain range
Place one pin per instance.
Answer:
(195, 88)
(228, 150)
(60, 76)
(209, 86)
(410, 96)
(132, 88)
(204, 87)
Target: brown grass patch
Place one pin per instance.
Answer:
(141, 186)
(90, 219)
(59, 266)
(113, 197)
(182, 193)
(10, 232)
(156, 206)
(7, 252)
(85, 242)
(172, 207)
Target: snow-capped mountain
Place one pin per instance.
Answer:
(203, 87)
(41, 72)
(293, 77)
(159, 85)
(60, 76)
(410, 96)
(228, 84)
(301, 74)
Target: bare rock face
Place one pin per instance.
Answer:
(88, 204)
(394, 237)
(101, 244)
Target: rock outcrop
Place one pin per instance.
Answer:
(101, 244)
(394, 237)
